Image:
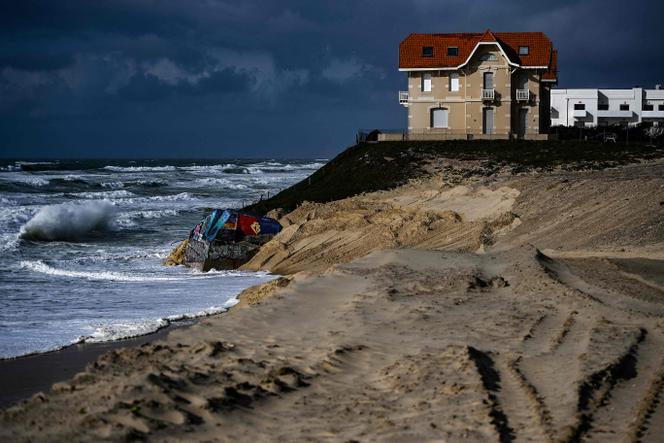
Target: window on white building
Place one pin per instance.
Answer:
(426, 82)
(624, 107)
(648, 107)
(661, 107)
(524, 50)
(579, 107)
(454, 81)
(602, 106)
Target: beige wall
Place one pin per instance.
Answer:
(465, 107)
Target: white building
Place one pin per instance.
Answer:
(600, 107)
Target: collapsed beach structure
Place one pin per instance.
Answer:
(226, 239)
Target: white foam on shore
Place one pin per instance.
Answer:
(123, 330)
(69, 221)
(95, 275)
(136, 328)
(43, 268)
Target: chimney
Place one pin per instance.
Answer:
(658, 87)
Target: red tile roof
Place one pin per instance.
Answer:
(540, 53)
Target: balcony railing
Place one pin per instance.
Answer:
(488, 94)
(522, 95)
(403, 97)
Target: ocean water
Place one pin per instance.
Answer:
(82, 245)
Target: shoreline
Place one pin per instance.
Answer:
(16, 386)
(23, 376)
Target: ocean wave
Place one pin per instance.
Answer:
(104, 194)
(276, 166)
(112, 185)
(123, 330)
(11, 216)
(18, 166)
(174, 197)
(213, 181)
(68, 180)
(136, 328)
(70, 221)
(43, 268)
(154, 214)
(10, 168)
(25, 178)
(8, 242)
(124, 254)
(21, 163)
(153, 183)
(129, 219)
(140, 168)
(206, 168)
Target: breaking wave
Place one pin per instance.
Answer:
(104, 194)
(43, 268)
(69, 221)
(139, 168)
(129, 329)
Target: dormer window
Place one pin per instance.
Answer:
(452, 51)
(524, 50)
(427, 51)
(488, 57)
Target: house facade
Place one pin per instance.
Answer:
(603, 107)
(478, 86)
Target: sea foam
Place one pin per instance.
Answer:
(70, 221)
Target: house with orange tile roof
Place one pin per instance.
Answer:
(478, 85)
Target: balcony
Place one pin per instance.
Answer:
(652, 114)
(522, 95)
(403, 97)
(488, 94)
(579, 113)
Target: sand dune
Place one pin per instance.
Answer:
(505, 308)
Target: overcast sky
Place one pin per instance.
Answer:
(270, 78)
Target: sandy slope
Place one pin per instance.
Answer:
(517, 308)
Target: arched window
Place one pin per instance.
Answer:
(439, 118)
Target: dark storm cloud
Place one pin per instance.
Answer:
(36, 62)
(271, 77)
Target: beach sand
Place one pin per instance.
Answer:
(504, 308)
